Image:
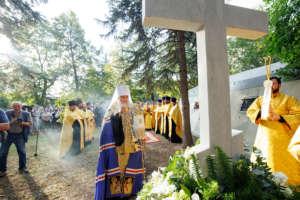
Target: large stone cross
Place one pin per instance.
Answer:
(212, 20)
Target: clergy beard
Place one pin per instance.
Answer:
(126, 105)
(275, 91)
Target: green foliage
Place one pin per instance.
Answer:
(187, 176)
(245, 54)
(38, 61)
(226, 180)
(74, 50)
(51, 54)
(18, 13)
(211, 167)
(4, 102)
(242, 179)
(224, 167)
(283, 40)
(229, 196)
(150, 55)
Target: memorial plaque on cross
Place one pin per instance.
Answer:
(212, 20)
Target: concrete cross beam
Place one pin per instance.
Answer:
(212, 21)
(188, 15)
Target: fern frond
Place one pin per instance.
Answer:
(229, 196)
(225, 169)
(211, 167)
(196, 165)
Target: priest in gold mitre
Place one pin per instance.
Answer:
(148, 116)
(71, 138)
(279, 128)
(158, 116)
(166, 109)
(175, 122)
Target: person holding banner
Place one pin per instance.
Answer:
(278, 129)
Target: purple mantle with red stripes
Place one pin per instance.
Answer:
(109, 183)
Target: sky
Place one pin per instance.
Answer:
(86, 10)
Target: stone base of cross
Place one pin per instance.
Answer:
(212, 20)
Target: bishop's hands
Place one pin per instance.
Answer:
(123, 109)
(272, 115)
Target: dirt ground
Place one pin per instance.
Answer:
(52, 178)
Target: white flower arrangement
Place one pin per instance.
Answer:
(160, 188)
(279, 178)
(195, 196)
(190, 151)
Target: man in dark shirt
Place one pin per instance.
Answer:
(18, 133)
(4, 125)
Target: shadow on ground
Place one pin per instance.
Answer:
(72, 178)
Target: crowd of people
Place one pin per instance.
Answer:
(17, 123)
(49, 117)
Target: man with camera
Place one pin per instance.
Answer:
(18, 133)
(4, 125)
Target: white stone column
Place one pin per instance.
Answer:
(213, 79)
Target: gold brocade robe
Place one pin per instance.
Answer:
(66, 137)
(148, 117)
(175, 115)
(153, 110)
(294, 147)
(279, 134)
(129, 145)
(84, 118)
(91, 125)
(158, 118)
(166, 110)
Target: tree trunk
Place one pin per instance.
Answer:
(74, 69)
(180, 47)
(75, 77)
(35, 93)
(44, 92)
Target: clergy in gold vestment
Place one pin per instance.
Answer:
(158, 116)
(147, 116)
(153, 110)
(83, 115)
(166, 108)
(71, 138)
(161, 127)
(175, 122)
(91, 124)
(283, 120)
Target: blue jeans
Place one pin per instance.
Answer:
(19, 141)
